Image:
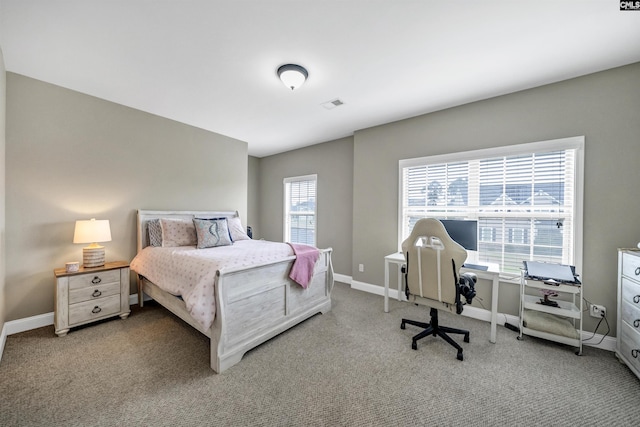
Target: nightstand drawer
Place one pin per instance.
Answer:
(89, 310)
(93, 293)
(93, 279)
(631, 266)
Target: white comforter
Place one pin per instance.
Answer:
(191, 273)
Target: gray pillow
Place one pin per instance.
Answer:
(155, 232)
(212, 232)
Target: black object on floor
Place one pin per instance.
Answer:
(512, 327)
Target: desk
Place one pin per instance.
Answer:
(396, 258)
(493, 274)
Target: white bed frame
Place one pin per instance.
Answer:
(253, 304)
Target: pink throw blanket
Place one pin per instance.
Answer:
(302, 269)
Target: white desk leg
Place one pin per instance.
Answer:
(399, 281)
(494, 307)
(386, 286)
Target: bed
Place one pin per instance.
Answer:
(253, 303)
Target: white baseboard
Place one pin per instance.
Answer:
(29, 323)
(23, 325)
(3, 339)
(373, 289)
(39, 321)
(606, 343)
(342, 278)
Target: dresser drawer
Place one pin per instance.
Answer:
(630, 346)
(91, 310)
(631, 315)
(93, 279)
(631, 266)
(630, 292)
(93, 293)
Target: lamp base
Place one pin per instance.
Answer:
(93, 257)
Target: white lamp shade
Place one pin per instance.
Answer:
(92, 231)
(292, 75)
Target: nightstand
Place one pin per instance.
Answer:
(90, 294)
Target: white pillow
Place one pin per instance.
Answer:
(177, 232)
(236, 229)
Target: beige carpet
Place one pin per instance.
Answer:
(351, 367)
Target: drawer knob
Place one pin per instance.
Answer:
(637, 271)
(96, 280)
(634, 353)
(96, 309)
(636, 299)
(96, 293)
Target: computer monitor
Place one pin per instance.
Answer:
(464, 232)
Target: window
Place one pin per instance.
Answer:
(300, 209)
(526, 198)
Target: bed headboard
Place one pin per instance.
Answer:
(145, 216)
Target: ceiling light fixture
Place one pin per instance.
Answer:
(292, 75)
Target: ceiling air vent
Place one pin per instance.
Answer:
(332, 104)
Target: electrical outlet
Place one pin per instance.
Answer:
(361, 268)
(597, 311)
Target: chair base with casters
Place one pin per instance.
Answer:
(434, 328)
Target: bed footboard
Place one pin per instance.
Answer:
(256, 304)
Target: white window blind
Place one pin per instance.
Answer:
(526, 198)
(300, 209)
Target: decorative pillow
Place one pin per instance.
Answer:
(155, 232)
(236, 230)
(224, 218)
(212, 232)
(177, 232)
(551, 323)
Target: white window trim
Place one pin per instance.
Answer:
(575, 142)
(285, 226)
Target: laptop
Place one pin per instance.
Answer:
(548, 271)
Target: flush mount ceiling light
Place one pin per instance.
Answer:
(292, 75)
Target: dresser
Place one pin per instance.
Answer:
(90, 294)
(628, 339)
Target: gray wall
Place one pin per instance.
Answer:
(71, 156)
(333, 163)
(3, 98)
(253, 191)
(604, 107)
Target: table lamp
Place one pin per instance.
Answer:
(92, 231)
